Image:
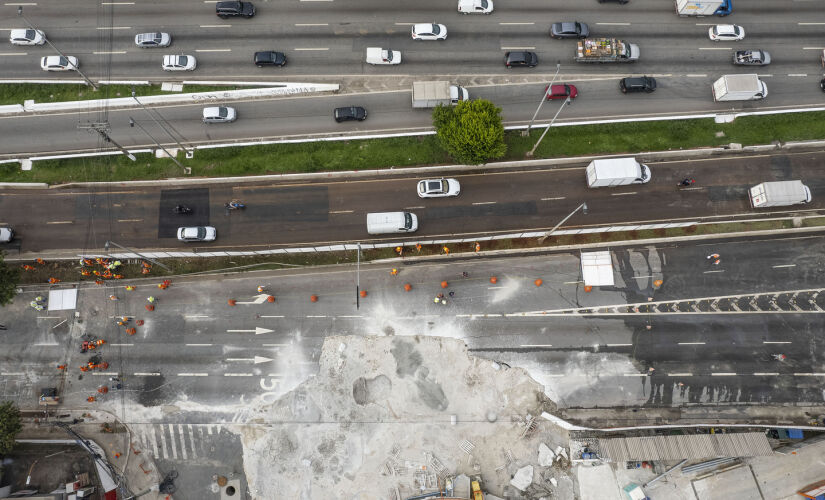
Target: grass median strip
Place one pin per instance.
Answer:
(16, 93)
(617, 138)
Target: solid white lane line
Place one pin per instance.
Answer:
(146, 374)
(122, 345)
(797, 74)
(216, 26)
(679, 374)
(316, 316)
(198, 345)
(485, 203)
(814, 374)
(404, 24)
(194, 316)
(618, 345)
(311, 24)
(60, 222)
(279, 316)
(634, 374)
(516, 24)
(342, 211)
(715, 48)
(552, 199)
(274, 345)
(415, 208)
(213, 50)
(14, 53)
(810, 24)
(130, 220)
(117, 3)
(765, 374)
(624, 194)
(311, 48)
(114, 28)
(776, 342)
(784, 265)
(696, 75)
(536, 345)
(104, 52)
(691, 343)
(518, 48)
(723, 374)
(351, 316)
(711, 272)
(47, 344)
(613, 24)
(193, 374)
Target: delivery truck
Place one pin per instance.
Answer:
(431, 94)
(616, 172)
(739, 88)
(704, 7)
(377, 55)
(779, 194)
(604, 50)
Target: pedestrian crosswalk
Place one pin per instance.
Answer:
(176, 441)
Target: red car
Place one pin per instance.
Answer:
(561, 91)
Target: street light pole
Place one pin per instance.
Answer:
(160, 124)
(20, 13)
(132, 123)
(582, 207)
(543, 98)
(532, 151)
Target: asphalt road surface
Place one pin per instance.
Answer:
(326, 41)
(291, 215)
(196, 353)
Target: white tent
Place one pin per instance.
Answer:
(597, 268)
(60, 300)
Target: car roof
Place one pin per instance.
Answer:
(726, 28)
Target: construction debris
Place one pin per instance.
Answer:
(523, 478)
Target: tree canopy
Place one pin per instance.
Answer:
(10, 426)
(9, 279)
(471, 132)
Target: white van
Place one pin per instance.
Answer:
(6, 234)
(392, 222)
(616, 172)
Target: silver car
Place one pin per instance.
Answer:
(197, 233)
(151, 40)
(179, 63)
(59, 63)
(219, 114)
(27, 37)
(438, 188)
(751, 58)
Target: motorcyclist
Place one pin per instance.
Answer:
(687, 182)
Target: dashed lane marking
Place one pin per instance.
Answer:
(193, 374)
(723, 374)
(691, 343)
(198, 345)
(237, 374)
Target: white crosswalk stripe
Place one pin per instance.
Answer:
(174, 441)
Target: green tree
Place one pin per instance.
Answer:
(10, 425)
(9, 279)
(471, 132)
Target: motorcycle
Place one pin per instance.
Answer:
(182, 209)
(235, 205)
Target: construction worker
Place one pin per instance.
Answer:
(27, 267)
(40, 261)
(112, 297)
(53, 281)
(478, 247)
(260, 289)
(399, 250)
(151, 299)
(445, 250)
(394, 272)
(418, 247)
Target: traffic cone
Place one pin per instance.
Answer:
(362, 293)
(313, 298)
(231, 302)
(538, 282)
(444, 284)
(271, 298)
(407, 287)
(493, 280)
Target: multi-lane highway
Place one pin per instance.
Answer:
(295, 214)
(326, 41)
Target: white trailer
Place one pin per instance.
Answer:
(616, 172)
(739, 88)
(779, 194)
(698, 7)
(431, 94)
(377, 55)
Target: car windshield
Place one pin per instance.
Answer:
(436, 29)
(484, 4)
(201, 232)
(223, 112)
(434, 186)
(183, 60)
(155, 37)
(62, 61)
(30, 35)
(407, 220)
(737, 30)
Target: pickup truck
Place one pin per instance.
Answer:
(751, 58)
(377, 55)
(603, 50)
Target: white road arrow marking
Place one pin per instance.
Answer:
(255, 360)
(257, 331)
(259, 299)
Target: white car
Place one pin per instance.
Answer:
(197, 233)
(27, 37)
(59, 63)
(6, 234)
(438, 188)
(219, 114)
(429, 31)
(475, 6)
(726, 32)
(179, 63)
(152, 40)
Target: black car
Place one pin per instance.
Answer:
(350, 113)
(569, 30)
(234, 9)
(822, 84)
(269, 58)
(529, 59)
(638, 84)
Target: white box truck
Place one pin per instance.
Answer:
(739, 88)
(616, 172)
(391, 222)
(779, 194)
(431, 94)
(703, 7)
(377, 55)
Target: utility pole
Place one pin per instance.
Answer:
(582, 207)
(102, 128)
(110, 243)
(20, 14)
(532, 151)
(159, 123)
(132, 123)
(543, 98)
